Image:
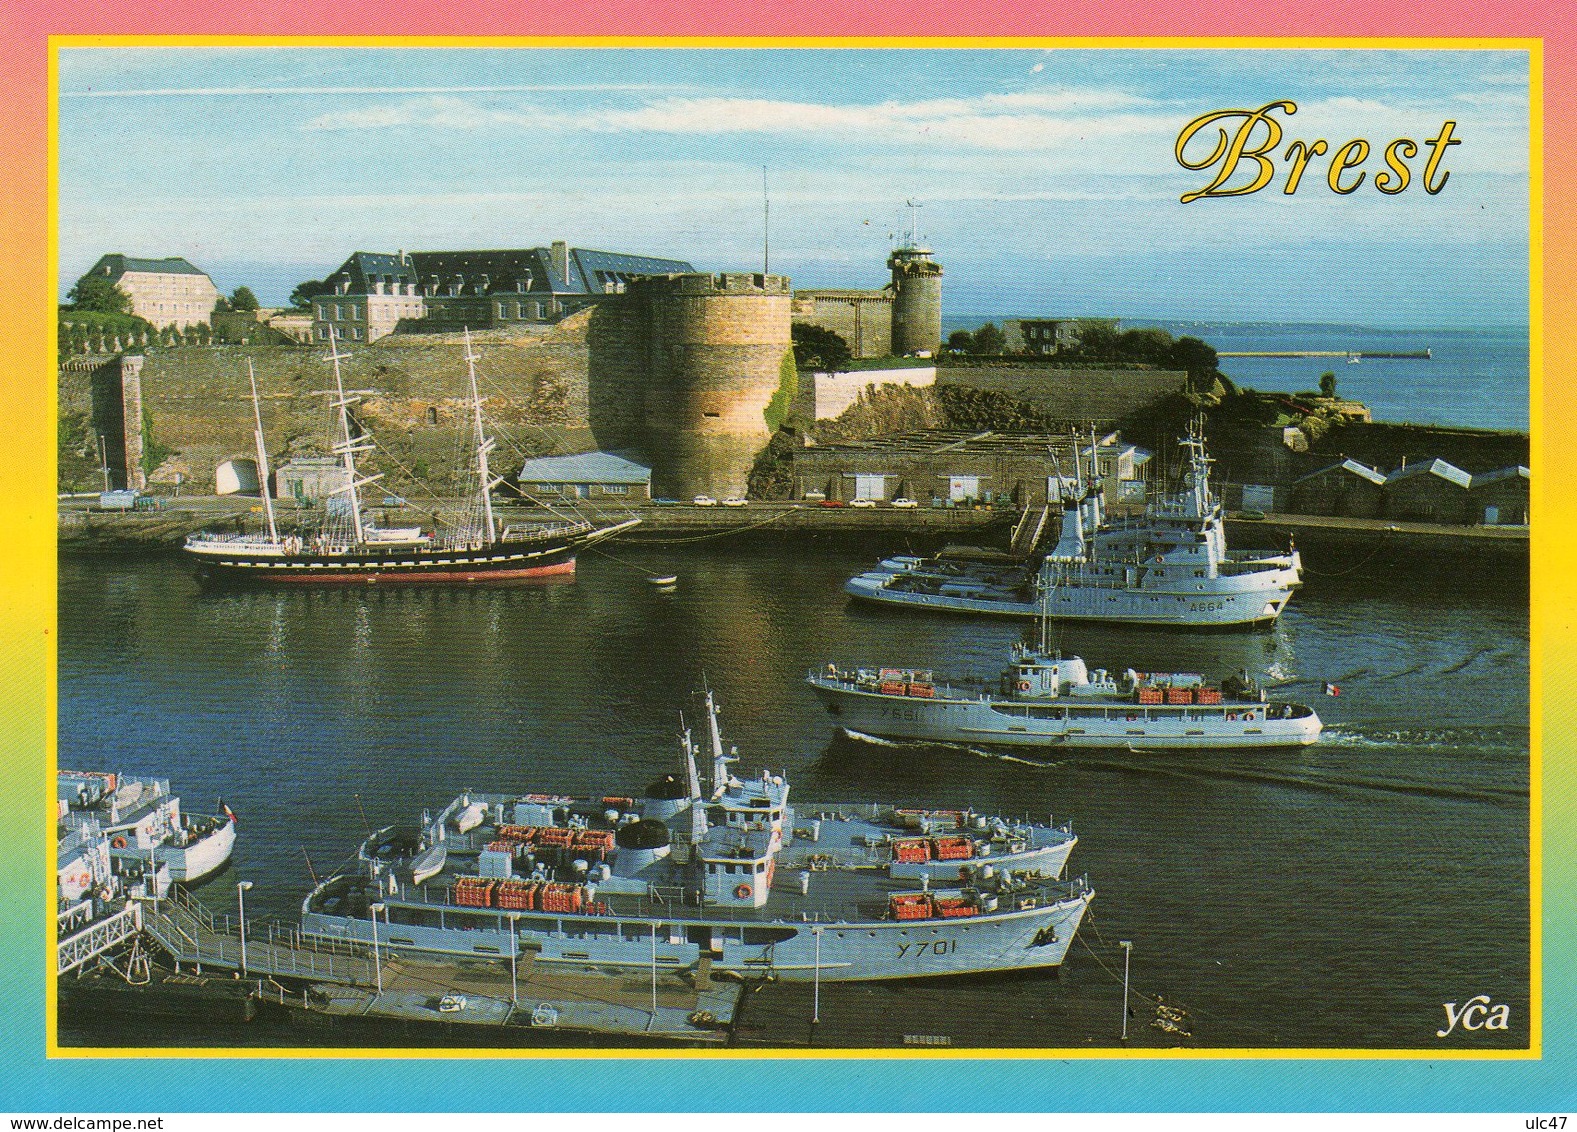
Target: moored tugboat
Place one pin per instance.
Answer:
(1169, 566)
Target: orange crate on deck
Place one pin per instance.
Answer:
(910, 905)
(555, 835)
(913, 851)
(924, 691)
(1210, 695)
(953, 848)
(518, 833)
(1150, 695)
(951, 908)
(593, 839)
(892, 687)
(1179, 695)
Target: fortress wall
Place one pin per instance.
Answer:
(831, 393)
(414, 391)
(863, 320)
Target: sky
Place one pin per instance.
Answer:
(1044, 180)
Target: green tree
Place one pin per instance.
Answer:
(1328, 384)
(301, 298)
(97, 293)
(817, 348)
(989, 340)
(243, 300)
(961, 342)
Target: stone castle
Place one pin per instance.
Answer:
(691, 371)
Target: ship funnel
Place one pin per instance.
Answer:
(666, 797)
(639, 845)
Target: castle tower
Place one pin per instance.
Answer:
(720, 348)
(917, 300)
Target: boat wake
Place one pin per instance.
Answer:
(1461, 664)
(1340, 780)
(979, 752)
(1509, 740)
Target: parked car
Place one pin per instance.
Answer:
(831, 503)
(735, 501)
(862, 503)
(904, 503)
(704, 501)
(815, 496)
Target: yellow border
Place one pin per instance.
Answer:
(1535, 48)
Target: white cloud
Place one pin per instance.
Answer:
(267, 91)
(992, 121)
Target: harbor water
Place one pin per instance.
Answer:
(1332, 897)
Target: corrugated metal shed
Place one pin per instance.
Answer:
(1436, 467)
(587, 468)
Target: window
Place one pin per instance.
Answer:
(960, 488)
(615, 489)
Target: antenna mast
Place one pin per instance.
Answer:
(766, 225)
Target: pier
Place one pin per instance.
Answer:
(349, 981)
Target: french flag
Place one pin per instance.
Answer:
(1330, 689)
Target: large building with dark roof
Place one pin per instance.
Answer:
(373, 293)
(166, 292)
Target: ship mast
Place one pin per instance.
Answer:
(346, 448)
(484, 445)
(262, 457)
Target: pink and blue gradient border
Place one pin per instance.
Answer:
(37, 1078)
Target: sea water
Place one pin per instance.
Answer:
(1330, 897)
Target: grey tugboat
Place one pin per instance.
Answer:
(1169, 566)
(733, 879)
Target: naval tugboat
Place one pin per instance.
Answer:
(1044, 700)
(349, 548)
(732, 880)
(1168, 566)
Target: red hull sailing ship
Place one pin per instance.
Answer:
(350, 548)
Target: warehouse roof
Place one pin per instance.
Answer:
(1500, 474)
(1362, 471)
(587, 467)
(1436, 467)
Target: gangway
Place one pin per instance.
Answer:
(1026, 536)
(97, 938)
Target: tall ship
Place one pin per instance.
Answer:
(1168, 566)
(1050, 702)
(731, 880)
(349, 547)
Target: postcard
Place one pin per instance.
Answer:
(871, 562)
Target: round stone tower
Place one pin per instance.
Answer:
(917, 301)
(720, 348)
